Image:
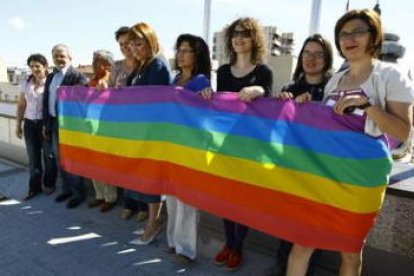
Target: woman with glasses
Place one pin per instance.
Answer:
(192, 60)
(151, 69)
(250, 78)
(313, 70)
(380, 90)
(29, 111)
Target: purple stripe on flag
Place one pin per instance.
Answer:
(224, 101)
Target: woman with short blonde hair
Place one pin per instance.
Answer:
(151, 69)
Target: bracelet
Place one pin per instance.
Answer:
(364, 106)
(351, 108)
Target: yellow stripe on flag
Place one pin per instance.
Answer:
(318, 189)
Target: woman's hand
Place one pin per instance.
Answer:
(284, 95)
(102, 85)
(118, 86)
(206, 93)
(251, 92)
(347, 104)
(21, 108)
(19, 131)
(304, 98)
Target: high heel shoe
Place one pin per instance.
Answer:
(151, 238)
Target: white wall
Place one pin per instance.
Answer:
(7, 132)
(283, 68)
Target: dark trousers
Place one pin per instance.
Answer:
(71, 184)
(37, 147)
(133, 200)
(134, 205)
(235, 234)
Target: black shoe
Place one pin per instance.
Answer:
(107, 206)
(74, 202)
(49, 190)
(95, 203)
(32, 194)
(62, 197)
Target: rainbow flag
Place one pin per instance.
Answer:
(298, 172)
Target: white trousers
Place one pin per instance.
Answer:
(182, 227)
(104, 191)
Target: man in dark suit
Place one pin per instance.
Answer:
(63, 75)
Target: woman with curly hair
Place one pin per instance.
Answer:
(250, 78)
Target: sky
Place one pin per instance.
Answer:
(34, 26)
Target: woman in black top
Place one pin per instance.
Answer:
(312, 72)
(247, 75)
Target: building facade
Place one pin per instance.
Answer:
(9, 93)
(391, 49)
(16, 75)
(3, 71)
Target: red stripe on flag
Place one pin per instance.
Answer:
(279, 214)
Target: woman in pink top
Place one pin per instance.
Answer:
(29, 111)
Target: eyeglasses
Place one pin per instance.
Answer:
(356, 33)
(317, 55)
(243, 34)
(184, 51)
